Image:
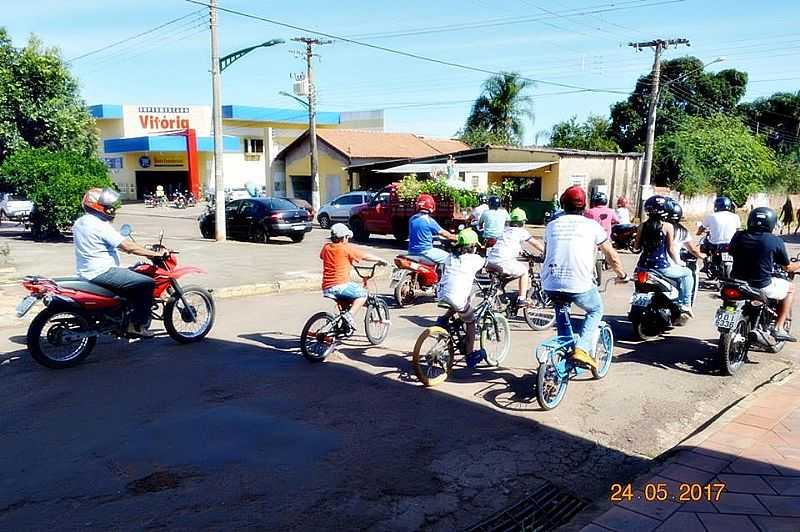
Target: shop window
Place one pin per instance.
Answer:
(476, 182)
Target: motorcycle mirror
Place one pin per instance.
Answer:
(125, 230)
(160, 237)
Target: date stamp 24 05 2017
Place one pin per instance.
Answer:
(656, 492)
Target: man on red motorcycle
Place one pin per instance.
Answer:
(422, 228)
(97, 246)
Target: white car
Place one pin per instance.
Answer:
(14, 207)
(338, 209)
(237, 194)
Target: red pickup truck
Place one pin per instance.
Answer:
(388, 214)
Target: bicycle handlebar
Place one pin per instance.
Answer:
(370, 269)
(616, 280)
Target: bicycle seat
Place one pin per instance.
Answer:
(421, 259)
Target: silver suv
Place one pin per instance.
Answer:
(338, 209)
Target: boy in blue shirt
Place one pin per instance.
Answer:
(422, 228)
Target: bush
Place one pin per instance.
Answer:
(411, 187)
(54, 181)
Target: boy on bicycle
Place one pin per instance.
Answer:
(455, 287)
(503, 256)
(338, 257)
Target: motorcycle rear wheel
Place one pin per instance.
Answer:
(404, 292)
(195, 296)
(54, 323)
(732, 348)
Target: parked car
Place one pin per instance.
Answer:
(259, 219)
(387, 214)
(15, 208)
(303, 204)
(338, 209)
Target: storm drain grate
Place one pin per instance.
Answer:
(546, 509)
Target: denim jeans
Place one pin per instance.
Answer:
(685, 279)
(135, 287)
(437, 255)
(591, 303)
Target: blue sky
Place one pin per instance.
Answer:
(544, 39)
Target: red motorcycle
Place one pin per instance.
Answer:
(412, 274)
(77, 311)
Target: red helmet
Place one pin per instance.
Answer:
(425, 202)
(622, 201)
(103, 201)
(573, 199)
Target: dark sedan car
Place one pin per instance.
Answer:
(259, 219)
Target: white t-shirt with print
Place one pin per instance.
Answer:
(570, 245)
(96, 243)
(509, 246)
(623, 214)
(459, 274)
(721, 226)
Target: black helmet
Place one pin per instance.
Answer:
(723, 204)
(599, 198)
(481, 198)
(762, 220)
(494, 202)
(674, 211)
(656, 207)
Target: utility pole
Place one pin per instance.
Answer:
(216, 114)
(658, 46)
(312, 115)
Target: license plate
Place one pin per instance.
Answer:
(396, 276)
(25, 305)
(641, 300)
(725, 318)
(299, 227)
(726, 257)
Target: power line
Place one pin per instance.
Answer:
(399, 52)
(132, 37)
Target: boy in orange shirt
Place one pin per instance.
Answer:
(338, 257)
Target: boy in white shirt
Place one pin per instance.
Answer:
(503, 256)
(455, 287)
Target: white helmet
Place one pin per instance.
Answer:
(341, 231)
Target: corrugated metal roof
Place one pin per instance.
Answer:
(466, 167)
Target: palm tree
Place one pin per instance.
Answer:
(499, 111)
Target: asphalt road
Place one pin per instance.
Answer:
(240, 432)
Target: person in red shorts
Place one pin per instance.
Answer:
(338, 257)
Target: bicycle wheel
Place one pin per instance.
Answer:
(603, 352)
(551, 386)
(495, 338)
(318, 339)
(540, 313)
(433, 356)
(376, 321)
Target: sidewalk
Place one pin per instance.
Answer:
(754, 449)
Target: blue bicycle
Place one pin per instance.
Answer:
(556, 367)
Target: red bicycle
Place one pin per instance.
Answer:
(76, 311)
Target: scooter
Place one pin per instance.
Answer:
(77, 312)
(654, 304)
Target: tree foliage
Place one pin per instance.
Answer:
(54, 181)
(777, 118)
(686, 90)
(40, 105)
(498, 114)
(715, 154)
(593, 134)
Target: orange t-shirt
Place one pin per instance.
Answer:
(336, 262)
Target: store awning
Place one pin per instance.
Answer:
(167, 143)
(413, 168)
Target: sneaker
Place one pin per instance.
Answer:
(475, 358)
(782, 335)
(686, 309)
(524, 303)
(583, 358)
(140, 331)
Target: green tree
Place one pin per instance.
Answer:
(686, 90)
(594, 134)
(55, 181)
(777, 118)
(715, 154)
(40, 105)
(498, 114)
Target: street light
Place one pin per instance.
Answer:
(217, 66)
(293, 97)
